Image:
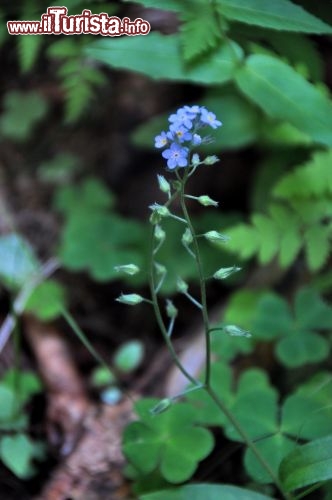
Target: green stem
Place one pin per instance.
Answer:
(201, 281)
(161, 323)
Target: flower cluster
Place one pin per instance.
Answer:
(183, 134)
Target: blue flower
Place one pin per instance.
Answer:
(196, 140)
(192, 111)
(176, 156)
(161, 140)
(181, 116)
(209, 118)
(180, 132)
(182, 136)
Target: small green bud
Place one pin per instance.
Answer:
(164, 185)
(160, 269)
(130, 299)
(171, 310)
(215, 236)
(181, 285)
(127, 269)
(211, 160)
(161, 210)
(207, 201)
(236, 331)
(195, 160)
(224, 272)
(187, 237)
(159, 233)
(162, 406)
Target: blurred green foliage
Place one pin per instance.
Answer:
(260, 67)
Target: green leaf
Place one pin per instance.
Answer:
(90, 194)
(29, 47)
(299, 50)
(97, 242)
(317, 246)
(273, 318)
(298, 350)
(8, 403)
(16, 453)
(261, 422)
(169, 440)
(307, 464)
(200, 31)
(22, 111)
(311, 311)
(18, 262)
(25, 384)
(306, 416)
(159, 57)
(313, 179)
(268, 235)
(59, 169)
(273, 449)
(278, 15)
(205, 491)
(129, 356)
(276, 87)
(47, 300)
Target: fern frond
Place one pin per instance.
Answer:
(28, 47)
(200, 29)
(317, 246)
(313, 179)
(283, 233)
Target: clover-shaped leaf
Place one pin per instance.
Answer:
(302, 348)
(298, 341)
(170, 441)
(307, 414)
(273, 449)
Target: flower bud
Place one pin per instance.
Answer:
(215, 236)
(211, 160)
(162, 406)
(160, 269)
(181, 285)
(224, 272)
(236, 331)
(130, 299)
(171, 310)
(127, 269)
(196, 140)
(195, 160)
(164, 185)
(207, 201)
(160, 210)
(159, 233)
(187, 237)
